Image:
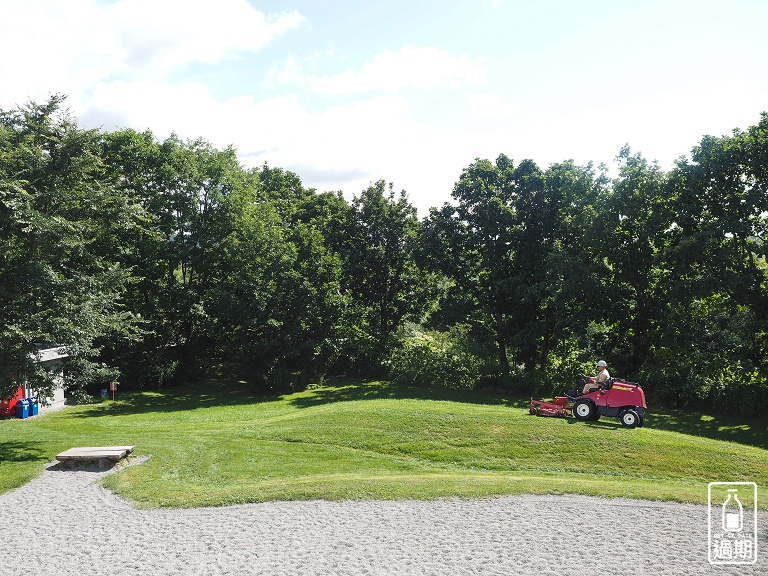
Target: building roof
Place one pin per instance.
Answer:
(48, 354)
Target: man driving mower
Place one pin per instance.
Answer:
(601, 381)
(596, 396)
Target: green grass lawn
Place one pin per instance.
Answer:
(217, 443)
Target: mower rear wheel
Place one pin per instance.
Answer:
(584, 410)
(630, 418)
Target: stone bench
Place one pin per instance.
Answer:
(104, 455)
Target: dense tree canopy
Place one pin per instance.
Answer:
(63, 227)
(153, 259)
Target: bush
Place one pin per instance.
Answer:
(154, 369)
(439, 359)
(706, 378)
(357, 354)
(740, 395)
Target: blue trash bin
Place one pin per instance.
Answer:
(34, 407)
(22, 408)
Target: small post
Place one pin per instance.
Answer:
(113, 387)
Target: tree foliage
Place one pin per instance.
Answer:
(154, 259)
(62, 228)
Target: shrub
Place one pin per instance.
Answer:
(357, 354)
(439, 359)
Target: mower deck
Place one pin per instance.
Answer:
(558, 407)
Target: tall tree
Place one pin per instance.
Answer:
(715, 331)
(380, 273)
(472, 243)
(636, 226)
(520, 242)
(61, 220)
(570, 270)
(184, 187)
(276, 303)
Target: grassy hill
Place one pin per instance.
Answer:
(218, 443)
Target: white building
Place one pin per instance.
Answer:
(52, 359)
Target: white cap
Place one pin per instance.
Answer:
(602, 363)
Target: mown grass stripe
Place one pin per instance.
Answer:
(215, 444)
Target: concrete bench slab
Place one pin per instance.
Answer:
(93, 453)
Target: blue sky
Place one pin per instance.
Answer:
(344, 93)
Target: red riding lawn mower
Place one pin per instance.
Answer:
(619, 398)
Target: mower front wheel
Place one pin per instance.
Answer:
(630, 418)
(584, 410)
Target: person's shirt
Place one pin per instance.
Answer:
(603, 376)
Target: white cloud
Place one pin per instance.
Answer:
(422, 68)
(165, 34)
(191, 111)
(52, 47)
(279, 130)
(417, 115)
(69, 47)
(491, 106)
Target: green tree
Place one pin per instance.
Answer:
(184, 188)
(714, 337)
(473, 243)
(637, 222)
(277, 295)
(570, 270)
(521, 247)
(61, 220)
(385, 286)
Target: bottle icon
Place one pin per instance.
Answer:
(733, 512)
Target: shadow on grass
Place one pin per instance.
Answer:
(227, 392)
(15, 451)
(90, 467)
(208, 393)
(356, 390)
(604, 422)
(750, 431)
(747, 431)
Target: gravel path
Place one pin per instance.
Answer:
(69, 524)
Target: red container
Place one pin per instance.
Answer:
(8, 405)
